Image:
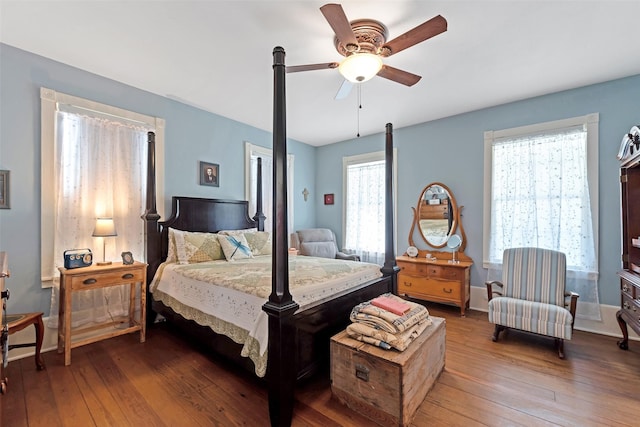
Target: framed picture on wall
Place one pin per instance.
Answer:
(209, 174)
(4, 189)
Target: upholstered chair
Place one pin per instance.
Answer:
(531, 296)
(319, 242)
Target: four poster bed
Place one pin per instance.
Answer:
(297, 332)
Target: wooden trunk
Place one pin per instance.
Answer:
(387, 386)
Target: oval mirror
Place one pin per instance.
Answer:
(436, 214)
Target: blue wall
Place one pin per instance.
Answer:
(450, 151)
(191, 135)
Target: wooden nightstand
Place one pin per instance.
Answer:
(96, 277)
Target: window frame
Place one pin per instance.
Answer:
(52, 101)
(591, 123)
(258, 150)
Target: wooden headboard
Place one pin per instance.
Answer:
(192, 214)
(205, 215)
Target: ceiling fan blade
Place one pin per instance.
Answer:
(311, 67)
(422, 32)
(345, 89)
(404, 77)
(336, 17)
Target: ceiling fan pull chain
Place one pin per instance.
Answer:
(359, 107)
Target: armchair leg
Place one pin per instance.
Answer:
(496, 332)
(560, 347)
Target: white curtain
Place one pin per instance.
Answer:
(100, 171)
(267, 188)
(540, 198)
(365, 211)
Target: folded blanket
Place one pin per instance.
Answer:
(385, 340)
(376, 317)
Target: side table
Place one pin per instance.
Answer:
(97, 277)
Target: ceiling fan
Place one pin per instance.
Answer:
(363, 43)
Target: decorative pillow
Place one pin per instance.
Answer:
(235, 247)
(172, 254)
(193, 247)
(235, 232)
(259, 242)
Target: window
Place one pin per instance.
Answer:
(252, 152)
(541, 190)
(94, 164)
(66, 117)
(364, 206)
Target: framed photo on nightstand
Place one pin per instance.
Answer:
(127, 258)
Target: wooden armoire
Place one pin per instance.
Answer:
(629, 313)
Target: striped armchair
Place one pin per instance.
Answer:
(532, 296)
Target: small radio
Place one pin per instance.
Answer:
(76, 258)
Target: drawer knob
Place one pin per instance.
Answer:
(626, 305)
(89, 281)
(447, 291)
(407, 284)
(625, 288)
(127, 276)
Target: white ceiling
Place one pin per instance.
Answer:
(217, 55)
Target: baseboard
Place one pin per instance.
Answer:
(607, 326)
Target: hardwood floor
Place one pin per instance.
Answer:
(167, 382)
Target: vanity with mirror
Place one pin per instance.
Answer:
(437, 269)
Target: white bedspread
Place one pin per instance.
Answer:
(234, 292)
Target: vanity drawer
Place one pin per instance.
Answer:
(413, 268)
(449, 273)
(436, 289)
(432, 271)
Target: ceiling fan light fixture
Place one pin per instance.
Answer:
(360, 67)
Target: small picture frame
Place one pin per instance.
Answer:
(4, 189)
(127, 258)
(328, 199)
(209, 174)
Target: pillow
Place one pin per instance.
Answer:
(236, 232)
(259, 242)
(235, 247)
(193, 247)
(172, 254)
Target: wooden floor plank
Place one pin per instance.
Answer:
(168, 381)
(14, 410)
(67, 395)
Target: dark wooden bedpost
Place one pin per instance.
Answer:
(389, 268)
(281, 369)
(259, 216)
(151, 217)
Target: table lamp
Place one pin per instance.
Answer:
(104, 228)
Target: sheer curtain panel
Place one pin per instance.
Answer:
(540, 198)
(100, 171)
(365, 211)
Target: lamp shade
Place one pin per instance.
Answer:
(360, 67)
(104, 228)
